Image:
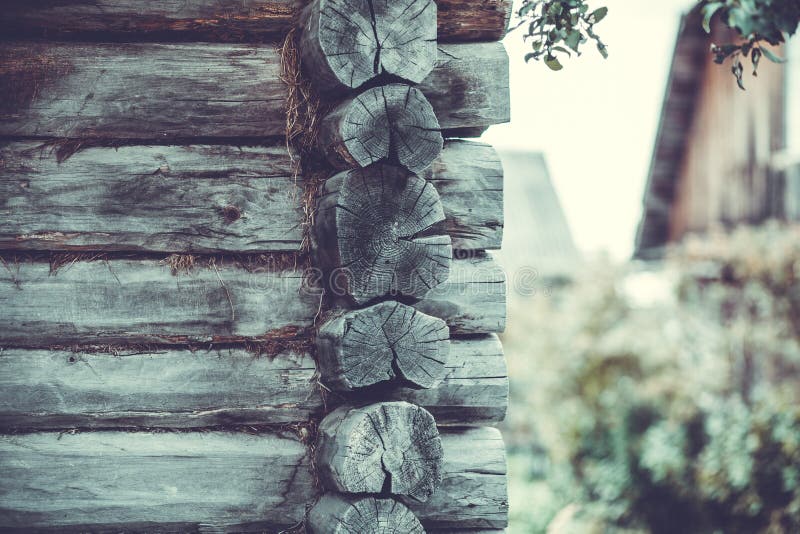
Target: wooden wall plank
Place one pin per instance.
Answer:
(145, 91)
(213, 480)
(62, 389)
(130, 301)
(459, 20)
(204, 198)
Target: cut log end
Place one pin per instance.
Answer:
(385, 342)
(347, 43)
(338, 514)
(378, 232)
(386, 448)
(393, 122)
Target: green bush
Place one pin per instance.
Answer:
(678, 416)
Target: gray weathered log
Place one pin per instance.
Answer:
(377, 232)
(341, 514)
(459, 20)
(391, 122)
(387, 447)
(153, 481)
(177, 388)
(474, 492)
(129, 301)
(167, 482)
(204, 198)
(347, 43)
(142, 91)
(388, 341)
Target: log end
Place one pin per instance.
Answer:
(339, 514)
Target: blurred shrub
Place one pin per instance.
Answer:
(678, 416)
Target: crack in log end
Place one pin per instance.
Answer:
(393, 123)
(372, 235)
(352, 442)
(386, 342)
(25, 71)
(348, 43)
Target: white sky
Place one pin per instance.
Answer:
(596, 119)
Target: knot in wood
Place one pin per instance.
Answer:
(380, 228)
(347, 43)
(393, 122)
(384, 342)
(389, 447)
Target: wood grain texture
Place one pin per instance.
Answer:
(178, 388)
(128, 301)
(145, 481)
(459, 20)
(474, 492)
(204, 198)
(167, 482)
(339, 514)
(143, 91)
(386, 342)
(378, 232)
(347, 43)
(386, 447)
(393, 122)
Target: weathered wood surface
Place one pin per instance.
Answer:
(142, 91)
(474, 492)
(392, 122)
(347, 43)
(391, 447)
(176, 388)
(459, 20)
(204, 198)
(212, 480)
(341, 514)
(386, 342)
(378, 232)
(130, 301)
(144, 481)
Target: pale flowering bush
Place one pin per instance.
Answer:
(682, 416)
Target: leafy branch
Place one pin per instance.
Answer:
(759, 23)
(559, 27)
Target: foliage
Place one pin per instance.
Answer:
(560, 27)
(758, 22)
(679, 416)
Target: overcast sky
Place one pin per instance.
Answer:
(596, 120)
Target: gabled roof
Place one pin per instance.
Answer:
(685, 79)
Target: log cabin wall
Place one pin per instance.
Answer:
(245, 283)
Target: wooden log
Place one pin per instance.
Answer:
(341, 514)
(142, 91)
(347, 43)
(251, 20)
(167, 482)
(153, 481)
(376, 233)
(392, 122)
(204, 198)
(128, 301)
(474, 492)
(387, 447)
(388, 341)
(173, 388)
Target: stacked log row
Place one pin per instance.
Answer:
(380, 239)
(159, 356)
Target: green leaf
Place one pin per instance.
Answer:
(573, 40)
(770, 55)
(708, 12)
(603, 49)
(598, 15)
(553, 63)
